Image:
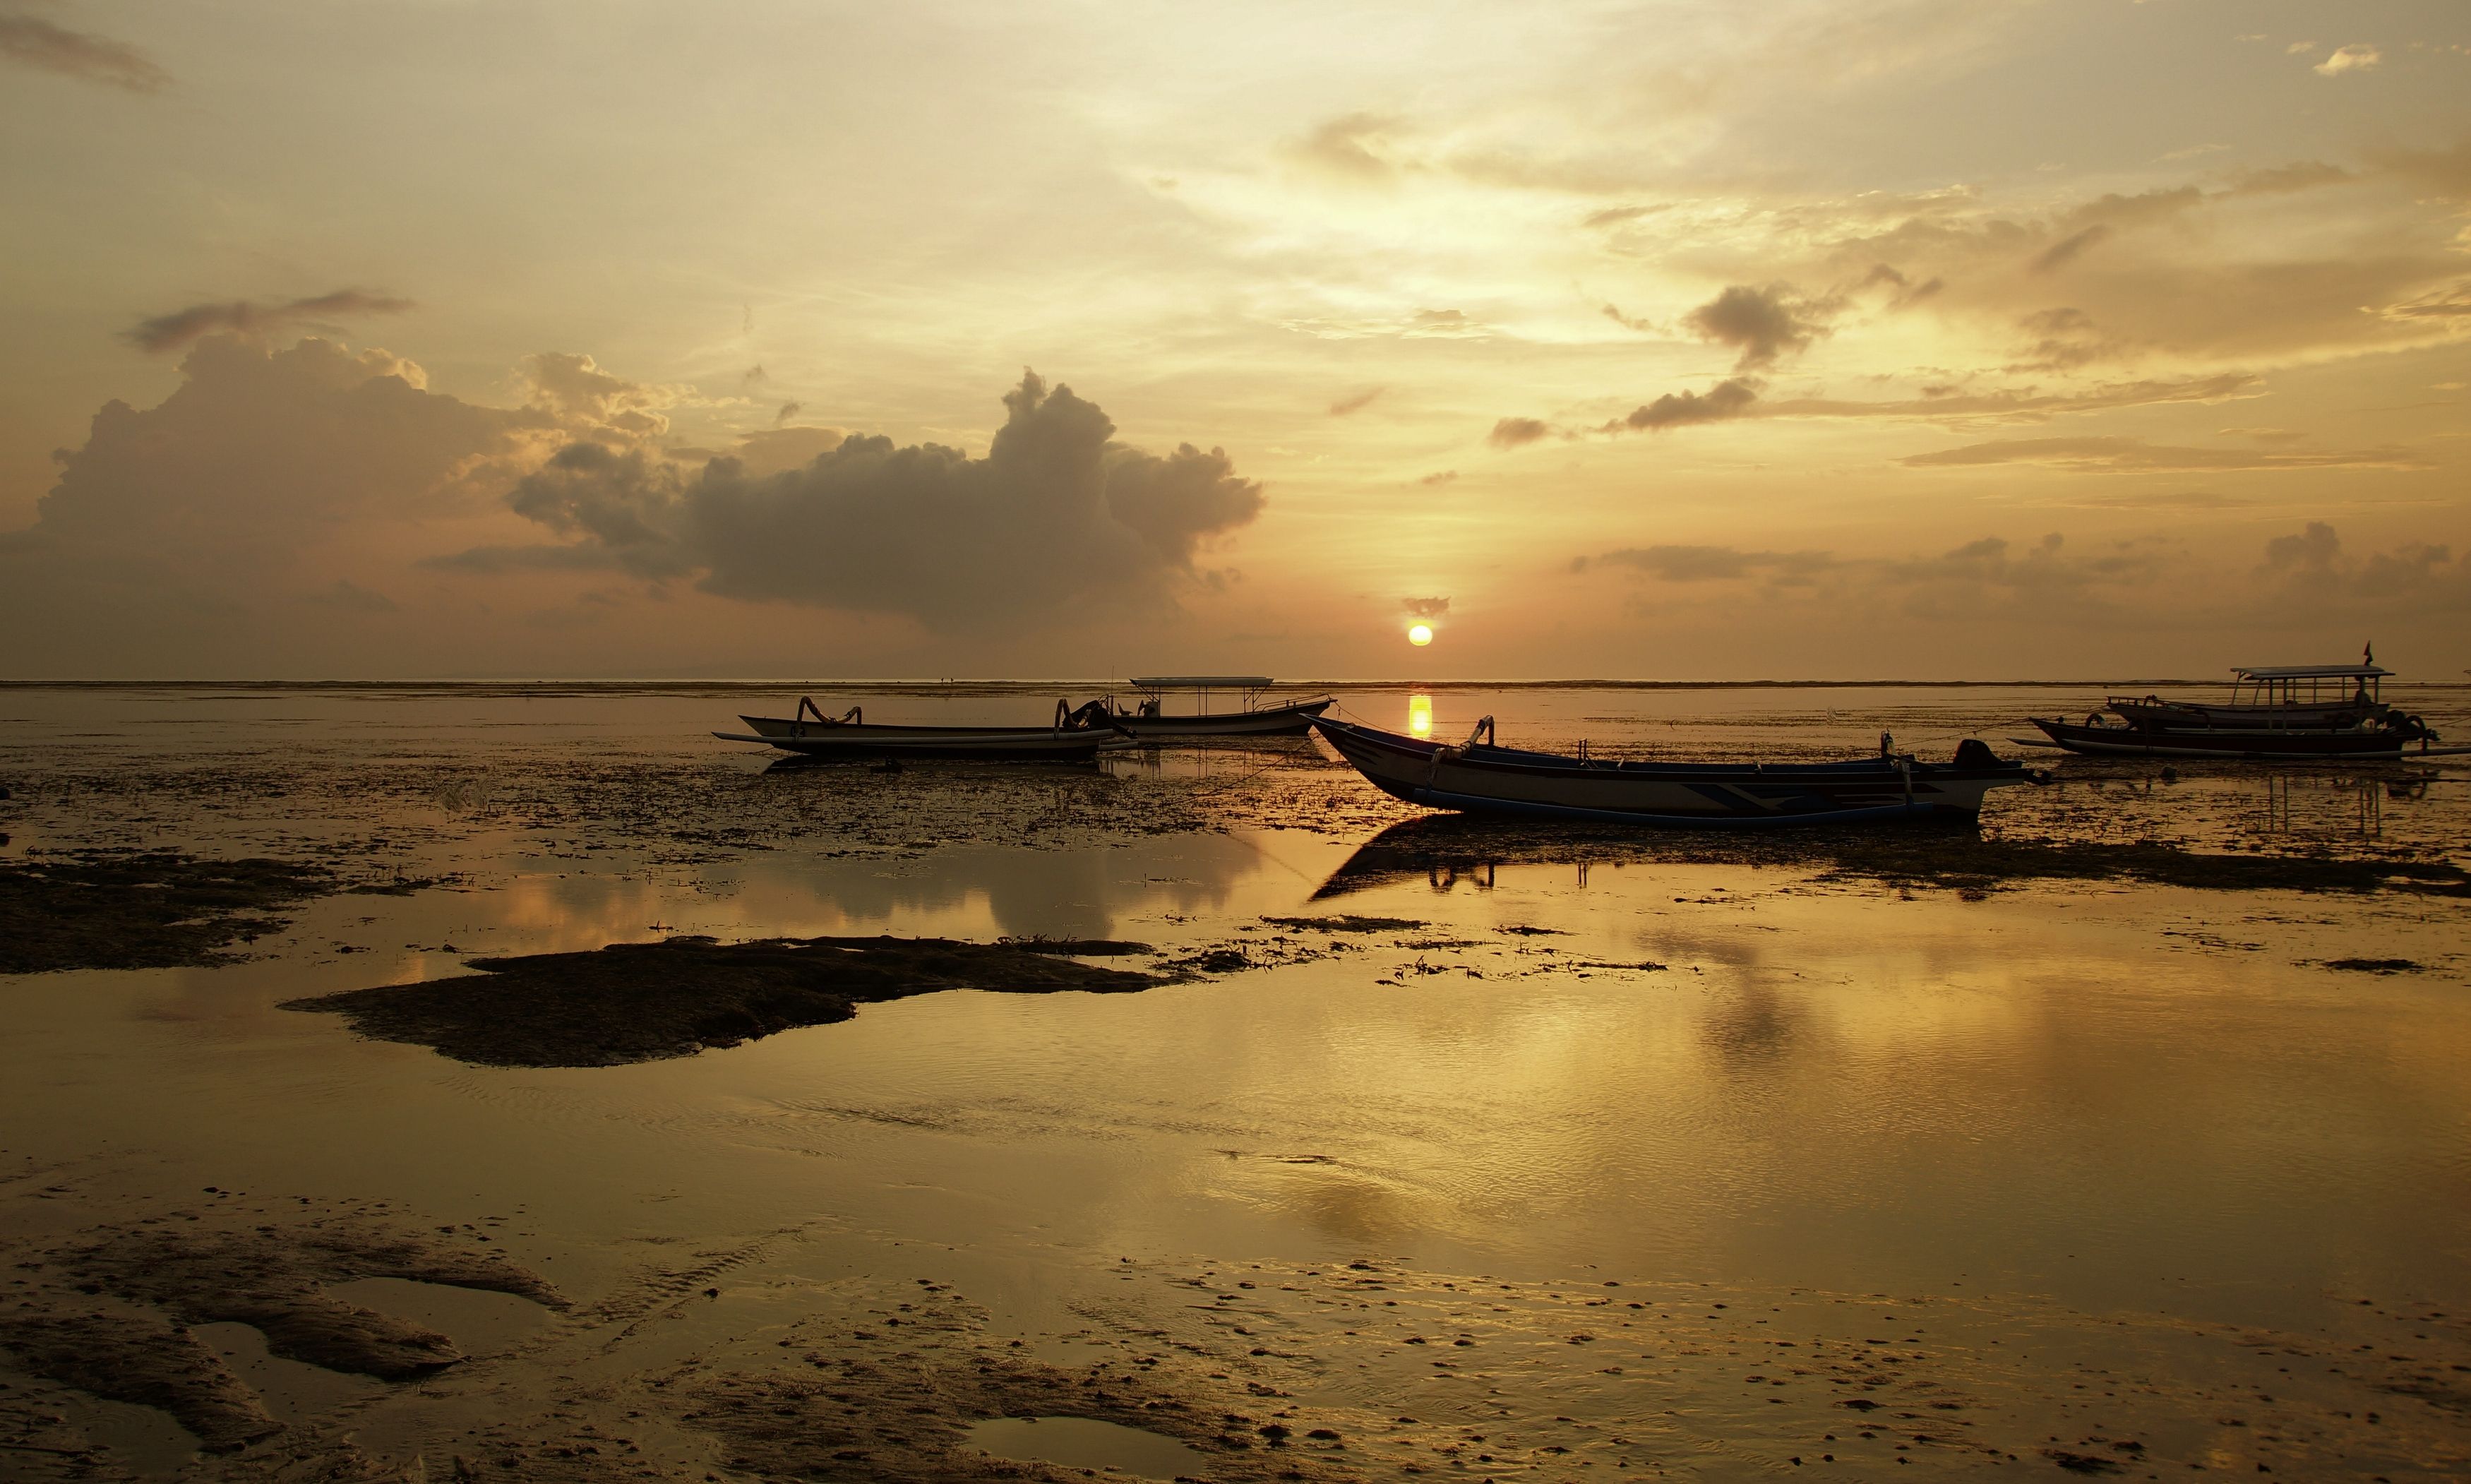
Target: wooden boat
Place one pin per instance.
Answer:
(1479, 776)
(1149, 719)
(1072, 738)
(2342, 714)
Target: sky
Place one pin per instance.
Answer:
(1815, 339)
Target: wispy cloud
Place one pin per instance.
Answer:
(2135, 455)
(243, 316)
(2067, 249)
(2359, 57)
(31, 41)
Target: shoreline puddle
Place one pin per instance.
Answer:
(1083, 1443)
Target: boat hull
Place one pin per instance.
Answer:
(858, 741)
(1291, 720)
(1506, 781)
(2254, 744)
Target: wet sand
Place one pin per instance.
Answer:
(2112, 1140)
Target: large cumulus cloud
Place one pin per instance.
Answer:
(1057, 513)
(321, 509)
(187, 535)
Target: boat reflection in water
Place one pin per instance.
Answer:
(1448, 851)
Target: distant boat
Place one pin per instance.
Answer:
(1480, 777)
(1149, 719)
(1073, 737)
(2274, 711)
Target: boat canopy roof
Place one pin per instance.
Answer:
(2309, 672)
(1203, 682)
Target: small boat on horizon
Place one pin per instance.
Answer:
(1479, 776)
(1149, 719)
(1073, 737)
(2341, 713)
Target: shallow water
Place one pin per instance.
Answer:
(2060, 1107)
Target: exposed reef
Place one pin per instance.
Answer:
(645, 1001)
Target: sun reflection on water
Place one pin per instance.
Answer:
(1420, 716)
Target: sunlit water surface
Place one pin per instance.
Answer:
(2106, 1096)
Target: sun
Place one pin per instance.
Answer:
(1420, 635)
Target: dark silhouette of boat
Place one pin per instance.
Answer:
(2275, 711)
(1073, 737)
(1481, 777)
(1149, 719)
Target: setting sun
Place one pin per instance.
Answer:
(1421, 634)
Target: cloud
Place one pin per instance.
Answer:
(2450, 305)
(771, 449)
(185, 327)
(2311, 550)
(264, 476)
(2283, 179)
(494, 560)
(1349, 147)
(1904, 292)
(2064, 338)
(1622, 215)
(345, 594)
(1713, 563)
(1947, 405)
(2179, 500)
(576, 390)
(2310, 572)
(1511, 432)
(1056, 515)
(2146, 206)
(2447, 171)
(34, 42)
(1613, 312)
(788, 410)
(2358, 56)
(1356, 403)
(2135, 455)
(1424, 607)
(1439, 478)
(1762, 323)
(2067, 249)
(1728, 398)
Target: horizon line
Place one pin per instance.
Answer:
(913, 682)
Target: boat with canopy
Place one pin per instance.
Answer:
(2274, 711)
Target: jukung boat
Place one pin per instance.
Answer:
(1479, 776)
(1149, 719)
(1072, 738)
(2275, 711)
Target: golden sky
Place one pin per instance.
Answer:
(1812, 337)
